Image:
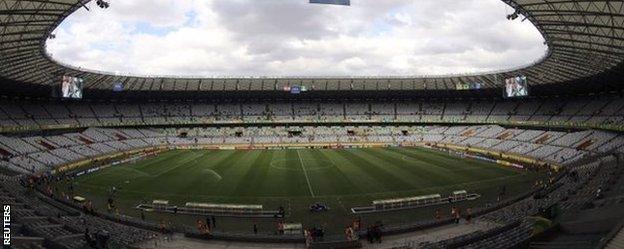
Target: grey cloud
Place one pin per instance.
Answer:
(286, 37)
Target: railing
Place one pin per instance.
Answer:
(605, 240)
(572, 125)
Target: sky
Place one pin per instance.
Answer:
(255, 38)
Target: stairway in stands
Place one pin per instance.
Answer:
(618, 241)
(570, 241)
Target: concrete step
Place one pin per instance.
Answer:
(617, 242)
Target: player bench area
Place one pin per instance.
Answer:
(415, 202)
(214, 209)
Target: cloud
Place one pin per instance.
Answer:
(293, 38)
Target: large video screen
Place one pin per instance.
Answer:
(516, 87)
(71, 87)
(295, 89)
(118, 87)
(334, 2)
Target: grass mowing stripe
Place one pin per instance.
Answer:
(133, 170)
(187, 182)
(457, 164)
(200, 169)
(398, 170)
(180, 163)
(448, 162)
(449, 158)
(295, 180)
(305, 172)
(235, 171)
(454, 171)
(255, 175)
(160, 162)
(416, 170)
(232, 157)
(376, 171)
(123, 171)
(362, 180)
(338, 181)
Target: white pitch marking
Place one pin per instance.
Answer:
(305, 172)
(214, 173)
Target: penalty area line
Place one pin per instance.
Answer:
(305, 173)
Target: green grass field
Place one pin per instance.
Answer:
(341, 178)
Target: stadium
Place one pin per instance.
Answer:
(527, 156)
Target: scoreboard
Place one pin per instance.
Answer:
(334, 2)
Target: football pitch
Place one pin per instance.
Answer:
(297, 178)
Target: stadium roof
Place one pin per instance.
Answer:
(585, 40)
